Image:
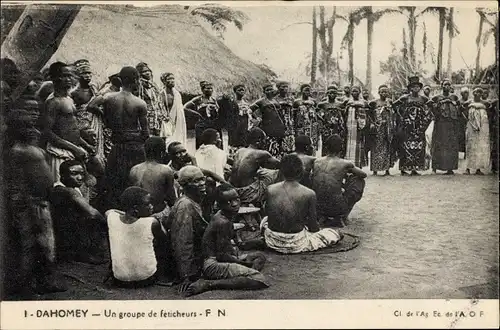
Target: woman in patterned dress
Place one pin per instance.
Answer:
(331, 116)
(356, 125)
(268, 116)
(307, 120)
(382, 128)
(413, 120)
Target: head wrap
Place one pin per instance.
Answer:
(464, 89)
(356, 87)
(382, 87)
(165, 75)
(235, 87)
(304, 86)
(266, 86)
(282, 83)
(477, 89)
(204, 84)
(82, 66)
(185, 174)
(141, 66)
(445, 81)
(332, 86)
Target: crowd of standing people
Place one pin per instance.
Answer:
(100, 175)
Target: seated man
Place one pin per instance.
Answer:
(187, 225)
(210, 156)
(254, 169)
(179, 158)
(222, 268)
(78, 227)
(155, 177)
(304, 149)
(291, 225)
(336, 198)
(133, 233)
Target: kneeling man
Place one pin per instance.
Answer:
(291, 225)
(223, 268)
(339, 185)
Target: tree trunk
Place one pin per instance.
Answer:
(412, 25)
(450, 42)
(314, 55)
(369, 31)
(350, 51)
(35, 38)
(439, 71)
(478, 45)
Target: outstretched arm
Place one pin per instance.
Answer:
(213, 175)
(270, 162)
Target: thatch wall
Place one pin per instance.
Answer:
(168, 39)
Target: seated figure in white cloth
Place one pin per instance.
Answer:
(132, 234)
(291, 225)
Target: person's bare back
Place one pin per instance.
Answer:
(328, 175)
(308, 162)
(158, 180)
(125, 115)
(290, 207)
(247, 161)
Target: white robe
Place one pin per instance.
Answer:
(175, 129)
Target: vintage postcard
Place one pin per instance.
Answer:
(249, 164)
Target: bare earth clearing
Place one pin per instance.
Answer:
(432, 236)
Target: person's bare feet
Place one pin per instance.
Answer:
(467, 172)
(195, 288)
(449, 173)
(415, 173)
(387, 173)
(403, 173)
(374, 172)
(478, 172)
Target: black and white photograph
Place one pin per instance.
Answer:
(269, 150)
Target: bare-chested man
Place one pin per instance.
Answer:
(60, 124)
(304, 149)
(90, 123)
(155, 177)
(222, 267)
(291, 225)
(336, 198)
(125, 114)
(29, 180)
(253, 169)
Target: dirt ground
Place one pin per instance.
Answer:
(432, 236)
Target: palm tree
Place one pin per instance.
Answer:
(353, 19)
(372, 17)
(478, 38)
(492, 30)
(219, 16)
(452, 33)
(314, 55)
(409, 12)
(441, 11)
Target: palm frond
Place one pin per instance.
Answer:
(487, 34)
(218, 16)
(378, 14)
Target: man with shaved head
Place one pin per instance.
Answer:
(187, 224)
(126, 115)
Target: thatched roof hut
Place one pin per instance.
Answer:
(167, 38)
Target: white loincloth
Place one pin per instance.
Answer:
(304, 241)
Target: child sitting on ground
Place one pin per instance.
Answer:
(132, 233)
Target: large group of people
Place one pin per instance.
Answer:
(99, 175)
